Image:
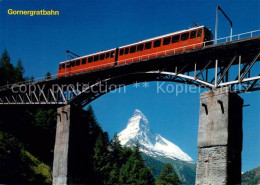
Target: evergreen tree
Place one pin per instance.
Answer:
(134, 170)
(7, 75)
(19, 71)
(31, 79)
(101, 161)
(168, 176)
(115, 157)
(48, 75)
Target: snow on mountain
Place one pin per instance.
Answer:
(138, 129)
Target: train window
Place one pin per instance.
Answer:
(121, 52)
(132, 49)
(208, 35)
(90, 59)
(60, 67)
(68, 65)
(72, 63)
(107, 55)
(185, 36)
(199, 33)
(148, 45)
(84, 61)
(77, 62)
(63, 65)
(102, 56)
(96, 58)
(112, 54)
(140, 47)
(126, 50)
(175, 38)
(166, 41)
(157, 43)
(193, 34)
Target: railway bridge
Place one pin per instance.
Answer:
(225, 69)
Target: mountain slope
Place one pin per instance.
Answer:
(251, 177)
(156, 150)
(186, 171)
(138, 130)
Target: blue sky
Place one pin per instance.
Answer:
(90, 26)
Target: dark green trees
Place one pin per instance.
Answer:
(114, 164)
(8, 73)
(134, 170)
(168, 176)
(19, 71)
(48, 75)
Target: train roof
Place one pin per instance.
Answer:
(166, 35)
(142, 41)
(105, 51)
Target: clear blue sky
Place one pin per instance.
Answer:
(90, 26)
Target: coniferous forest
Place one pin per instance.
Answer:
(27, 138)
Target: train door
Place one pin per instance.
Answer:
(116, 56)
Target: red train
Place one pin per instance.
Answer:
(150, 48)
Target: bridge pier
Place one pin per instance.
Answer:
(60, 161)
(219, 138)
(70, 152)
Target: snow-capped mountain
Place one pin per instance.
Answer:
(138, 129)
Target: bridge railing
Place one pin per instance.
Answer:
(144, 57)
(238, 36)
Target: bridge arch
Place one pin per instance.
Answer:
(105, 86)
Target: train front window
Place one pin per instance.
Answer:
(60, 67)
(140, 47)
(121, 52)
(166, 41)
(208, 35)
(175, 38)
(84, 61)
(157, 43)
(132, 49)
(185, 36)
(63, 66)
(126, 50)
(193, 34)
(90, 59)
(148, 45)
(199, 33)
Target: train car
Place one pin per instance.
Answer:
(163, 45)
(85, 63)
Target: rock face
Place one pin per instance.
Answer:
(138, 130)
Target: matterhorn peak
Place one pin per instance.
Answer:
(138, 121)
(138, 130)
(138, 112)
